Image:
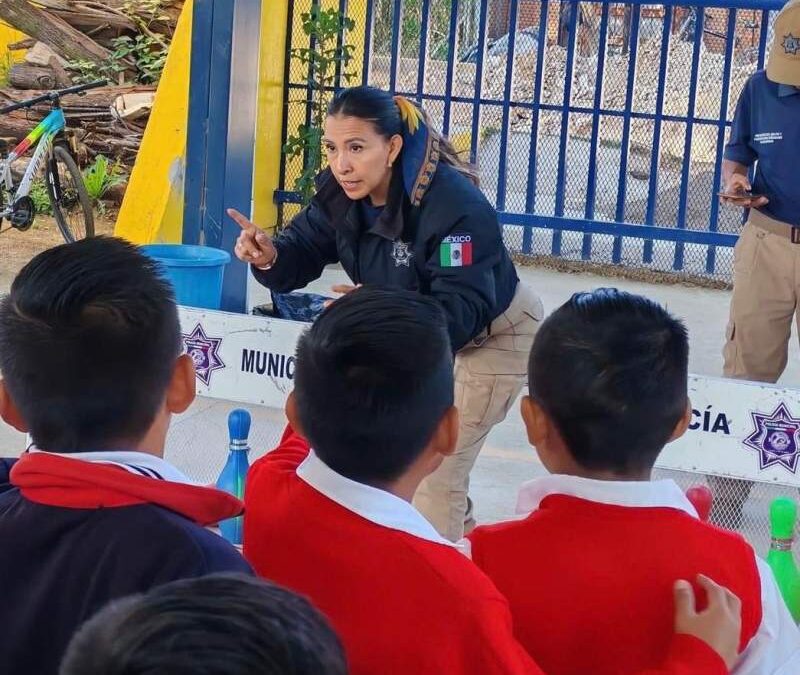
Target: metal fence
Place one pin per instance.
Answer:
(598, 127)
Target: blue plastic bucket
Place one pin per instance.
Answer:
(195, 272)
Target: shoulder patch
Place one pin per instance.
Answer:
(456, 250)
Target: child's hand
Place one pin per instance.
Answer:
(719, 625)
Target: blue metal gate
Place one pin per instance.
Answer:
(598, 127)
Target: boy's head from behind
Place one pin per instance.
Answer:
(89, 348)
(220, 624)
(608, 385)
(374, 385)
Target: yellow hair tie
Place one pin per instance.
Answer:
(409, 113)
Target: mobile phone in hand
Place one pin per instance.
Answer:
(744, 194)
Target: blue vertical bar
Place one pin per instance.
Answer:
(530, 193)
(217, 122)
(677, 262)
(396, 16)
(452, 55)
(650, 213)
(423, 47)
(591, 185)
(243, 105)
(367, 44)
(561, 177)
(713, 215)
(619, 216)
(762, 39)
(476, 106)
(196, 132)
(503, 162)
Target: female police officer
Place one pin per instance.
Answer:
(396, 206)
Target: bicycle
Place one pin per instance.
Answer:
(66, 191)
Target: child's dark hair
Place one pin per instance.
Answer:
(373, 379)
(89, 335)
(378, 106)
(610, 368)
(221, 624)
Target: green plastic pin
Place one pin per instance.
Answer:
(782, 518)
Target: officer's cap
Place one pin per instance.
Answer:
(783, 65)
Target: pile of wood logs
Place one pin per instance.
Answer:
(109, 120)
(102, 120)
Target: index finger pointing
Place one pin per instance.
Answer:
(240, 220)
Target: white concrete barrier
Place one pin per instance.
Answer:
(739, 429)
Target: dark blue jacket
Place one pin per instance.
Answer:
(59, 564)
(407, 246)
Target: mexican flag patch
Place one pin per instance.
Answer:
(456, 251)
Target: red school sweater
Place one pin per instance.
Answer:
(590, 584)
(401, 604)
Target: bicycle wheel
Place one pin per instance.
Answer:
(72, 207)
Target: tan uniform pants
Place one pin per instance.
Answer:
(766, 287)
(489, 374)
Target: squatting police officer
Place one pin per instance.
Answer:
(397, 206)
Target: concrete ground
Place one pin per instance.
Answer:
(198, 438)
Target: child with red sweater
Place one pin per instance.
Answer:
(601, 544)
(374, 394)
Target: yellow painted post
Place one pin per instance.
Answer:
(153, 207)
(357, 11)
(8, 35)
(268, 151)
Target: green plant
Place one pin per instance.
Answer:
(147, 53)
(41, 200)
(102, 175)
(325, 27)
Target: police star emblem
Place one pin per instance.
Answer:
(775, 438)
(791, 44)
(401, 254)
(204, 351)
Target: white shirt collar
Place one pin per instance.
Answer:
(139, 463)
(642, 494)
(377, 506)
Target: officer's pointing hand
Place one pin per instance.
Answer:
(253, 245)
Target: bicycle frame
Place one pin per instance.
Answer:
(44, 133)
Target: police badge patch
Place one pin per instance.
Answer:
(791, 44)
(204, 351)
(401, 254)
(775, 438)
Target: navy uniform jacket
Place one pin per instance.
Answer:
(766, 128)
(450, 247)
(75, 535)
